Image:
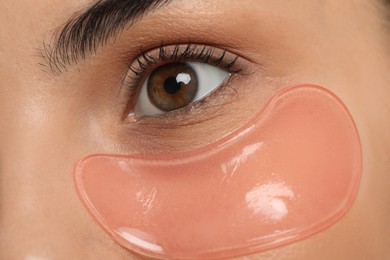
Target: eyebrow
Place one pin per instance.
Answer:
(84, 33)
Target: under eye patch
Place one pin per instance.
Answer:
(291, 172)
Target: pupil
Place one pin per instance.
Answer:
(171, 85)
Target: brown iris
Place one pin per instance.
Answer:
(172, 86)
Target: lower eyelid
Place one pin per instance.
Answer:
(198, 111)
(204, 122)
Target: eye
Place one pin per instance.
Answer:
(176, 85)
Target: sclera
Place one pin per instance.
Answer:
(291, 172)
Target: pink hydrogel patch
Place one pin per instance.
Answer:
(290, 173)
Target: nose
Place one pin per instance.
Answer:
(40, 214)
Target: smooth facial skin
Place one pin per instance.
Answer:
(51, 120)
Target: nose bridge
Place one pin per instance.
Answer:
(36, 186)
(27, 172)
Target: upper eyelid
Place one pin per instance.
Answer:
(183, 52)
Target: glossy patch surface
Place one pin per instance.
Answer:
(290, 173)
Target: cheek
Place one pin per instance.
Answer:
(290, 173)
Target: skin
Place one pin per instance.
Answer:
(51, 121)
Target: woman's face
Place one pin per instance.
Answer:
(58, 106)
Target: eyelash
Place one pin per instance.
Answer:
(149, 60)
